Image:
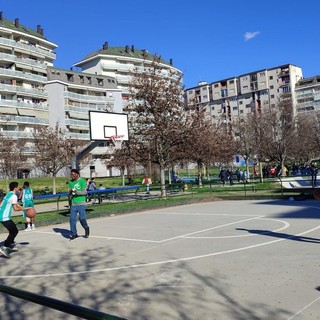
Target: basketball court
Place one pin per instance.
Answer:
(215, 260)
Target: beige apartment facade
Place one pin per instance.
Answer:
(33, 93)
(227, 99)
(25, 55)
(308, 94)
(119, 62)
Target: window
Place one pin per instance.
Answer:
(286, 89)
(100, 82)
(271, 77)
(89, 80)
(70, 77)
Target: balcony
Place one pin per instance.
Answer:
(23, 91)
(22, 75)
(87, 98)
(42, 67)
(78, 124)
(12, 119)
(78, 136)
(28, 48)
(18, 104)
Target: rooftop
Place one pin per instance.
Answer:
(16, 26)
(125, 52)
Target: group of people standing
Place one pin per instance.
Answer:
(229, 175)
(77, 189)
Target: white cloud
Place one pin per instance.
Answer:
(250, 35)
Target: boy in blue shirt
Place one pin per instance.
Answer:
(9, 203)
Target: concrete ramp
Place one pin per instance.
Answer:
(296, 182)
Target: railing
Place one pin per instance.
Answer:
(28, 47)
(23, 75)
(98, 192)
(12, 88)
(75, 310)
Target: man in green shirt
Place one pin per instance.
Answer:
(77, 192)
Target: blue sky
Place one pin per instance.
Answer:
(208, 40)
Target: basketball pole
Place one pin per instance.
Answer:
(84, 152)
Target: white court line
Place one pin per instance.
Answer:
(100, 237)
(209, 229)
(286, 225)
(189, 235)
(144, 265)
(304, 308)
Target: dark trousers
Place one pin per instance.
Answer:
(13, 231)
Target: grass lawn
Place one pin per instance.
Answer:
(209, 192)
(194, 195)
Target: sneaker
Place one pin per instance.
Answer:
(72, 237)
(13, 248)
(28, 229)
(33, 227)
(5, 251)
(87, 232)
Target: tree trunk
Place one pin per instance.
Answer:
(163, 182)
(123, 177)
(54, 189)
(260, 171)
(200, 174)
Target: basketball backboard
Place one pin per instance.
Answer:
(104, 125)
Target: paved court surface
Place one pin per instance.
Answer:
(216, 260)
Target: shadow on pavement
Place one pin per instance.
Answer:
(281, 235)
(64, 232)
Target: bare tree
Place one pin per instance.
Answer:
(245, 133)
(53, 151)
(307, 144)
(10, 157)
(122, 159)
(207, 143)
(161, 122)
(280, 132)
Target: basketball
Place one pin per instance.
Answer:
(31, 212)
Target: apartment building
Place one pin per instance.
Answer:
(119, 62)
(25, 55)
(71, 96)
(33, 93)
(308, 94)
(227, 99)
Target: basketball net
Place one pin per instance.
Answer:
(117, 141)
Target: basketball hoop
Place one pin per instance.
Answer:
(117, 141)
